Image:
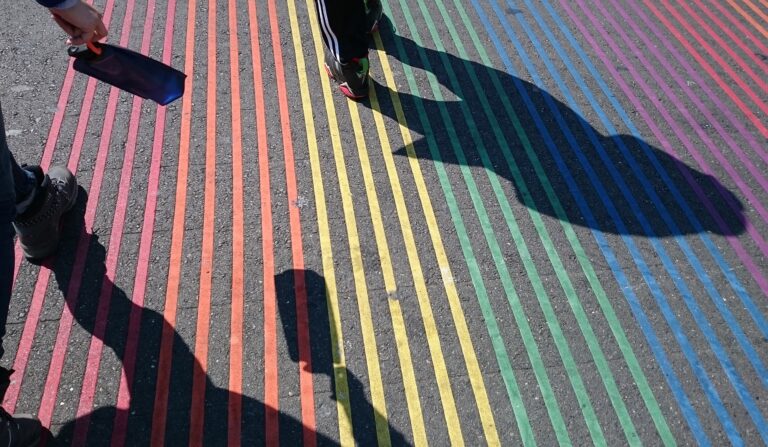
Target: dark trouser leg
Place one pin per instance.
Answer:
(7, 214)
(343, 27)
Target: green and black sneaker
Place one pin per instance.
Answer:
(352, 76)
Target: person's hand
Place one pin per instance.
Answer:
(81, 21)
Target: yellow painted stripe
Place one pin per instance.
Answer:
(343, 406)
(473, 367)
(398, 323)
(366, 321)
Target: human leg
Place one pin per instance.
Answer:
(34, 202)
(344, 30)
(17, 430)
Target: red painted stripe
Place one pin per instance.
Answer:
(705, 65)
(271, 396)
(90, 378)
(160, 409)
(305, 361)
(743, 30)
(197, 409)
(235, 412)
(145, 248)
(761, 81)
(38, 295)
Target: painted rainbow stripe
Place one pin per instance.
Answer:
(690, 298)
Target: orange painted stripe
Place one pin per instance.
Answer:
(235, 405)
(758, 12)
(124, 395)
(749, 18)
(271, 396)
(302, 319)
(160, 409)
(197, 409)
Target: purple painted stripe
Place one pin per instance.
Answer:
(749, 264)
(735, 243)
(691, 148)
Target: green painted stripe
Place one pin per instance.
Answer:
(559, 338)
(602, 364)
(486, 308)
(518, 311)
(613, 322)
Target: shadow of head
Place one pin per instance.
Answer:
(557, 162)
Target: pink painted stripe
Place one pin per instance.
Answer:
(735, 242)
(736, 122)
(145, 247)
(38, 295)
(737, 178)
(713, 74)
(651, 122)
(48, 402)
(50, 145)
(93, 363)
(714, 148)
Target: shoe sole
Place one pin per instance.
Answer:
(343, 87)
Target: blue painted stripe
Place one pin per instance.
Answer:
(654, 343)
(717, 299)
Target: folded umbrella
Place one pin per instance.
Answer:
(130, 71)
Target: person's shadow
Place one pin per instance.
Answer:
(100, 425)
(364, 415)
(562, 141)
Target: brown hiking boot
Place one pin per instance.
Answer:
(38, 226)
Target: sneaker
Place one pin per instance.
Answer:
(373, 12)
(38, 226)
(20, 430)
(352, 76)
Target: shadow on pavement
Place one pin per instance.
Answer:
(363, 413)
(101, 423)
(447, 137)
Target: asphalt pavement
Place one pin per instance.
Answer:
(546, 225)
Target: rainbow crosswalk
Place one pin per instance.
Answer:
(545, 226)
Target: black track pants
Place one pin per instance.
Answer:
(342, 24)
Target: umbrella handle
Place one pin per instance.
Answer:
(92, 46)
(88, 51)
